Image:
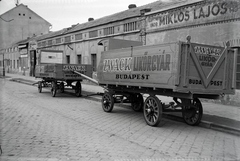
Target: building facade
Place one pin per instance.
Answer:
(80, 42)
(19, 23)
(212, 22)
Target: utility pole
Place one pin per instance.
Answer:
(2, 53)
(3, 66)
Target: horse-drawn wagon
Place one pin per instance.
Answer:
(183, 70)
(58, 75)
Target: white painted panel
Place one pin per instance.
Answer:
(51, 57)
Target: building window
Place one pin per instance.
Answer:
(132, 26)
(78, 36)
(58, 40)
(93, 34)
(94, 61)
(68, 59)
(49, 42)
(44, 43)
(79, 59)
(67, 39)
(39, 44)
(108, 31)
(14, 65)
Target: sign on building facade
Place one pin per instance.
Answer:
(203, 13)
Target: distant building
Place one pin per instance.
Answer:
(80, 42)
(19, 23)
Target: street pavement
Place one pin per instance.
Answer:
(225, 118)
(37, 127)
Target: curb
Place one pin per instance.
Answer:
(208, 125)
(218, 127)
(22, 81)
(204, 124)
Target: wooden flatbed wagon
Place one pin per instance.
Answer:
(61, 75)
(57, 75)
(183, 70)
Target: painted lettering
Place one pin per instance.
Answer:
(152, 63)
(198, 13)
(74, 67)
(199, 82)
(117, 64)
(139, 63)
(133, 76)
(207, 50)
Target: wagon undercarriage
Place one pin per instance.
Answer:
(60, 86)
(152, 107)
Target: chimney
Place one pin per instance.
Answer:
(90, 19)
(131, 6)
(145, 10)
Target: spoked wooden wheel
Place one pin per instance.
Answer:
(152, 111)
(192, 111)
(78, 89)
(54, 88)
(61, 86)
(137, 102)
(107, 102)
(40, 87)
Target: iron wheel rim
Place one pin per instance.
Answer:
(40, 87)
(78, 89)
(152, 111)
(54, 89)
(107, 102)
(192, 114)
(137, 103)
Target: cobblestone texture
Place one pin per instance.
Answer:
(36, 126)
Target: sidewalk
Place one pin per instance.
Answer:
(216, 116)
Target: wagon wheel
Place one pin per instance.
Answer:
(192, 112)
(152, 111)
(61, 86)
(78, 89)
(40, 87)
(137, 102)
(107, 102)
(54, 88)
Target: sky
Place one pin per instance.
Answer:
(65, 13)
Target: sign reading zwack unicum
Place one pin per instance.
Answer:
(203, 12)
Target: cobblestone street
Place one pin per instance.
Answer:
(36, 126)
